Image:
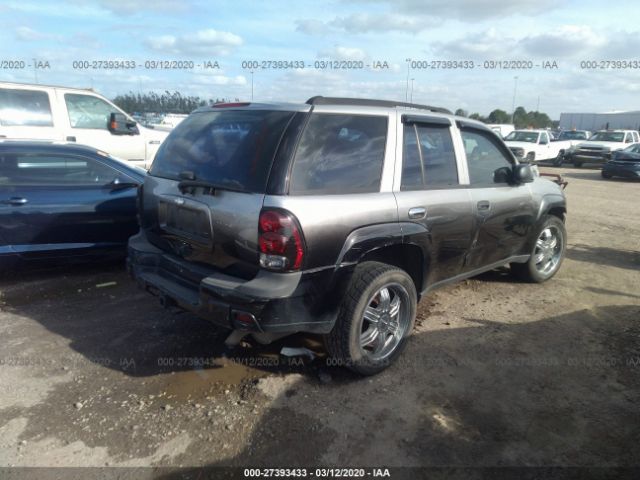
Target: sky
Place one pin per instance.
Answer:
(393, 48)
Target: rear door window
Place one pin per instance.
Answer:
(24, 108)
(428, 159)
(231, 149)
(340, 153)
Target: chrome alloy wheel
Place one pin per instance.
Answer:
(385, 321)
(548, 251)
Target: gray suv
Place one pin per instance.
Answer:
(335, 217)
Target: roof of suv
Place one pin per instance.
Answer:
(356, 105)
(329, 101)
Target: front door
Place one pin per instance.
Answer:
(504, 213)
(88, 124)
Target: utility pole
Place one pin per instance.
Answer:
(513, 103)
(406, 91)
(411, 97)
(252, 85)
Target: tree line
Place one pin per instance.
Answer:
(521, 118)
(167, 102)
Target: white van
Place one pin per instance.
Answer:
(75, 115)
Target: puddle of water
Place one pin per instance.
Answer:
(200, 382)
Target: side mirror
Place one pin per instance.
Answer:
(119, 124)
(502, 175)
(522, 173)
(121, 184)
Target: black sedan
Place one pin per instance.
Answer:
(624, 163)
(59, 199)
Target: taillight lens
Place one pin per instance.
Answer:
(280, 241)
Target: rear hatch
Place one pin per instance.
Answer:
(205, 189)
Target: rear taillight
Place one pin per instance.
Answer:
(280, 241)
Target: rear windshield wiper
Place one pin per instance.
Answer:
(188, 183)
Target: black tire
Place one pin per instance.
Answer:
(577, 163)
(343, 342)
(529, 271)
(605, 174)
(559, 160)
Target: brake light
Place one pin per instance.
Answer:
(280, 241)
(230, 105)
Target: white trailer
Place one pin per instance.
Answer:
(600, 121)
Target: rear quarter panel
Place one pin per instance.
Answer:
(327, 220)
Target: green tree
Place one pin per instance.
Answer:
(499, 116)
(477, 116)
(167, 102)
(461, 113)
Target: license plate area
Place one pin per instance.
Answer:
(185, 219)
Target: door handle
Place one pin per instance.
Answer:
(417, 212)
(71, 139)
(16, 201)
(483, 205)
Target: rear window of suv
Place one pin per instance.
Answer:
(231, 149)
(340, 153)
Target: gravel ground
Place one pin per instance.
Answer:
(498, 373)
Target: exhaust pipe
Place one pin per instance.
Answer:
(234, 339)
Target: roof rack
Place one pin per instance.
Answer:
(365, 102)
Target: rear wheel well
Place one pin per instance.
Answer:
(407, 257)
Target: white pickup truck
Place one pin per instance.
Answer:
(533, 145)
(601, 145)
(39, 112)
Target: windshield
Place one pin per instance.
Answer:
(607, 137)
(230, 148)
(573, 136)
(531, 137)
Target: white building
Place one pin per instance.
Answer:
(600, 121)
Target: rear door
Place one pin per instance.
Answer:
(430, 193)
(27, 113)
(206, 187)
(51, 201)
(504, 213)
